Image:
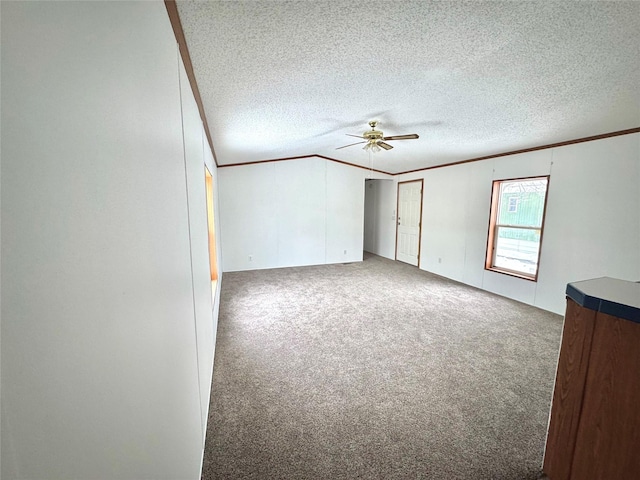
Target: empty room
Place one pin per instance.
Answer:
(320, 240)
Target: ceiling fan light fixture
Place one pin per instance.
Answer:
(371, 146)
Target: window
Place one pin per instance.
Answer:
(515, 226)
(211, 227)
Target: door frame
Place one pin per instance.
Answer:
(421, 180)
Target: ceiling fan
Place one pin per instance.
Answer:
(375, 139)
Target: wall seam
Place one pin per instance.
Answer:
(193, 294)
(326, 209)
(535, 291)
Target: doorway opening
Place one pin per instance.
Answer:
(379, 217)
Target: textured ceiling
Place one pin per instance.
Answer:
(282, 79)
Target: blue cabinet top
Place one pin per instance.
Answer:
(619, 298)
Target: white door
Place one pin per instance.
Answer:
(409, 214)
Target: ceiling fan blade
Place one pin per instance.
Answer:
(350, 145)
(402, 137)
(357, 136)
(386, 146)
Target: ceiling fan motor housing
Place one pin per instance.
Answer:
(373, 135)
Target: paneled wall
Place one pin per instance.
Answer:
(592, 227)
(290, 213)
(107, 313)
(273, 216)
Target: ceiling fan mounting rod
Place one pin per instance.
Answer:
(373, 135)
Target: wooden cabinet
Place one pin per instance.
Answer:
(594, 429)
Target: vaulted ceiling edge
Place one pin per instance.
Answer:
(470, 160)
(179, 32)
(174, 18)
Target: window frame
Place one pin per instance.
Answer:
(493, 228)
(211, 229)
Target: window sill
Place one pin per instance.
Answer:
(512, 273)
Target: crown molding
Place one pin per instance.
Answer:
(284, 159)
(532, 149)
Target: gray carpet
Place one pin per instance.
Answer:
(376, 370)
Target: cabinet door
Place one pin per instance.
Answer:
(568, 392)
(609, 432)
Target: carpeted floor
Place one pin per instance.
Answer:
(376, 370)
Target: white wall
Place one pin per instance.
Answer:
(206, 366)
(195, 146)
(275, 212)
(289, 213)
(107, 327)
(380, 217)
(592, 226)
